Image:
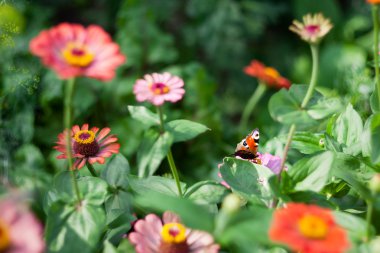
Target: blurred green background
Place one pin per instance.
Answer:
(206, 42)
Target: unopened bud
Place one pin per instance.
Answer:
(231, 203)
(374, 183)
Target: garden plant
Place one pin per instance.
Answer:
(189, 126)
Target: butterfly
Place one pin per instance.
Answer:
(247, 148)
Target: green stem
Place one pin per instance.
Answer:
(375, 17)
(169, 156)
(369, 218)
(314, 74)
(91, 169)
(313, 82)
(69, 89)
(252, 102)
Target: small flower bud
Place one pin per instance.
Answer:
(374, 183)
(231, 203)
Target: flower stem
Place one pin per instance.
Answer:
(314, 74)
(369, 218)
(252, 102)
(169, 156)
(91, 169)
(375, 16)
(313, 82)
(69, 89)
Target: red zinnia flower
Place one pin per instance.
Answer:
(87, 145)
(308, 229)
(267, 75)
(72, 50)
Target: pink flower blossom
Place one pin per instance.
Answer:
(87, 145)
(73, 50)
(20, 231)
(169, 235)
(158, 88)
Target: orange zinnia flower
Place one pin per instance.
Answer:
(267, 75)
(373, 1)
(308, 229)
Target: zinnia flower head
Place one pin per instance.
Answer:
(169, 235)
(20, 231)
(73, 50)
(158, 88)
(308, 229)
(267, 75)
(313, 28)
(87, 145)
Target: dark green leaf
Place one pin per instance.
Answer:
(312, 173)
(183, 130)
(375, 137)
(206, 192)
(155, 184)
(116, 172)
(74, 228)
(153, 150)
(144, 116)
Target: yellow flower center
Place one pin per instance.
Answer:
(4, 236)
(271, 72)
(313, 227)
(159, 88)
(84, 137)
(173, 233)
(77, 55)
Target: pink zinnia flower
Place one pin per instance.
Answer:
(152, 235)
(20, 231)
(88, 145)
(73, 50)
(158, 88)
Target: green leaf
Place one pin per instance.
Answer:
(74, 228)
(93, 190)
(116, 172)
(155, 184)
(332, 145)
(144, 116)
(325, 107)
(312, 173)
(375, 137)
(374, 101)
(153, 150)
(348, 129)
(366, 138)
(246, 177)
(285, 106)
(184, 130)
(192, 215)
(355, 226)
(109, 248)
(308, 143)
(206, 192)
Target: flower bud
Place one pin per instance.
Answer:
(231, 203)
(374, 183)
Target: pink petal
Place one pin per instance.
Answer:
(103, 133)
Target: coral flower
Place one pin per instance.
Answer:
(267, 75)
(73, 50)
(308, 229)
(20, 231)
(151, 235)
(88, 145)
(313, 28)
(158, 88)
(373, 1)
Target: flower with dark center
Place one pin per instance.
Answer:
(87, 145)
(169, 235)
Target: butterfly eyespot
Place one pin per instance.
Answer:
(245, 143)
